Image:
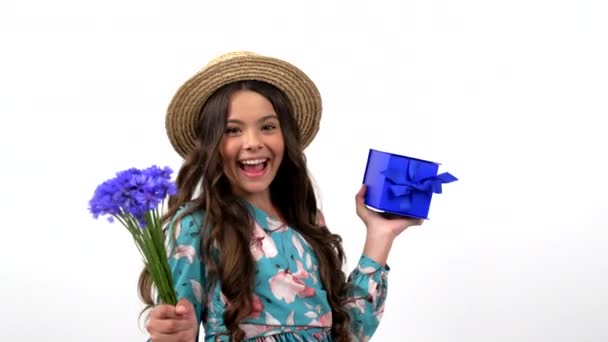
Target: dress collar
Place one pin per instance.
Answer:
(266, 221)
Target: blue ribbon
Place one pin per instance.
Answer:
(405, 183)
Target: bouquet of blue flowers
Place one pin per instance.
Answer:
(135, 197)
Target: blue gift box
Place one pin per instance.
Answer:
(402, 185)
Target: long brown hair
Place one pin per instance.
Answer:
(202, 183)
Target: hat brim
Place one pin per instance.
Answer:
(185, 107)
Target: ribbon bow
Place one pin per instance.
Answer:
(403, 184)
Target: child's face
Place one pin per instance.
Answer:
(252, 145)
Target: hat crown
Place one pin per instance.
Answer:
(231, 55)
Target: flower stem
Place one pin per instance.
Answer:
(150, 242)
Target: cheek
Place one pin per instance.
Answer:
(228, 151)
(279, 144)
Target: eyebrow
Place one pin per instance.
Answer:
(262, 119)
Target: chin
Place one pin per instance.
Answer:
(254, 188)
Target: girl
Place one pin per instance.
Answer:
(250, 253)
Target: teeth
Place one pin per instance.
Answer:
(253, 161)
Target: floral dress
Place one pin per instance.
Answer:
(289, 302)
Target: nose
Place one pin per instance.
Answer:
(253, 142)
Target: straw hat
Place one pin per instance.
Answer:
(185, 107)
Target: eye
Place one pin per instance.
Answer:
(269, 127)
(232, 130)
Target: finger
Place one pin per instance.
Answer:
(415, 222)
(180, 336)
(184, 307)
(163, 311)
(169, 326)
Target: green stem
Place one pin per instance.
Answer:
(150, 243)
(163, 279)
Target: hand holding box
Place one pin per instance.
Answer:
(402, 185)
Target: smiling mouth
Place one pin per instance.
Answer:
(254, 167)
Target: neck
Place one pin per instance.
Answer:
(261, 200)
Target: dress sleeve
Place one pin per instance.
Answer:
(183, 241)
(368, 284)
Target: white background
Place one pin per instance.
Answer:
(508, 95)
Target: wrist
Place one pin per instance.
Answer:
(377, 247)
(380, 234)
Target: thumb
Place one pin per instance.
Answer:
(184, 307)
(360, 202)
(360, 196)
